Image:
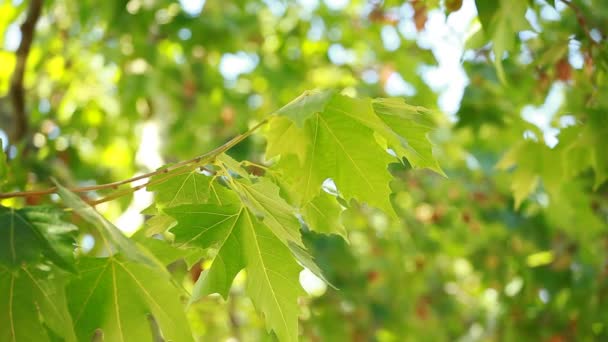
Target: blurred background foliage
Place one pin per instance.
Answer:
(512, 245)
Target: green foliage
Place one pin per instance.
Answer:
(244, 242)
(33, 306)
(338, 190)
(204, 226)
(111, 236)
(501, 21)
(336, 139)
(322, 215)
(30, 235)
(122, 299)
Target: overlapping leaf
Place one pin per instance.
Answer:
(322, 215)
(582, 147)
(501, 21)
(406, 131)
(189, 187)
(532, 160)
(112, 237)
(263, 198)
(272, 278)
(120, 299)
(244, 242)
(579, 148)
(205, 226)
(166, 252)
(184, 188)
(33, 307)
(28, 234)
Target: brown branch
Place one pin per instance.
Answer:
(165, 169)
(17, 92)
(580, 17)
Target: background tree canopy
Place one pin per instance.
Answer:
(366, 171)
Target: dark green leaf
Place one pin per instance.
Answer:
(28, 234)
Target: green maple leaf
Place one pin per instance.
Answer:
(305, 105)
(582, 148)
(286, 138)
(272, 278)
(360, 165)
(243, 241)
(322, 215)
(305, 176)
(533, 162)
(189, 187)
(263, 198)
(166, 252)
(346, 139)
(407, 133)
(112, 237)
(205, 226)
(404, 127)
(501, 21)
(343, 149)
(119, 297)
(231, 164)
(31, 303)
(28, 234)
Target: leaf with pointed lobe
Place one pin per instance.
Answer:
(263, 198)
(231, 164)
(410, 126)
(189, 187)
(272, 277)
(286, 138)
(112, 237)
(243, 241)
(204, 226)
(338, 138)
(501, 21)
(119, 298)
(322, 215)
(359, 164)
(305, 105)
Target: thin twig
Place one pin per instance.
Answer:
(580, 17)
(165, 169)
(124, 192)
(17, 92)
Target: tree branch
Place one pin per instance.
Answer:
(189, 164)
(17, 92)
(580, 17)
